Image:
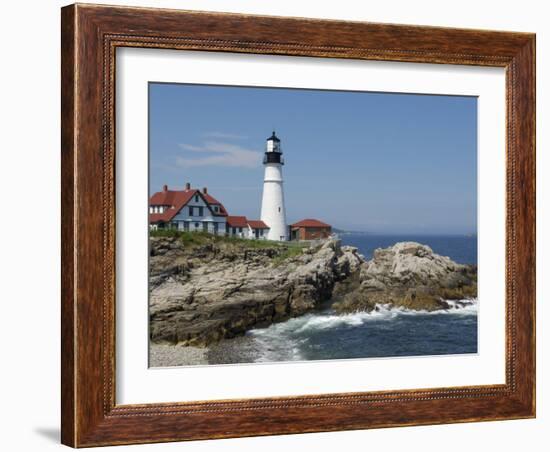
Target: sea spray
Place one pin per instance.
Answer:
(384, 332)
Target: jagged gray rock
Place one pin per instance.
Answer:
(202, 294)
(407, 274)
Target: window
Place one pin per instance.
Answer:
(234, 230)
(279, 209)
(205, 226)
(191, 211)
(240, 229)
(215, 208)
(196, 198)
(261, 232)
(197, 225)
(201, 211)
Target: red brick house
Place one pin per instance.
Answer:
(310, 229)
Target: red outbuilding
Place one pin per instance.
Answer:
(310, 229)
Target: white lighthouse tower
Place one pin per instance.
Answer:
(273, 200)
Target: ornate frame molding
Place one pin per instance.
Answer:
(90, 36)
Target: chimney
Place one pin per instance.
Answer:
(165, 188)
(187, 186)
(205, 190)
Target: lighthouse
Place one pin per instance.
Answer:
(273, 200)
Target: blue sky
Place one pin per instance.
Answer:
(375, 162)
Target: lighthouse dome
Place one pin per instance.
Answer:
(273, 137)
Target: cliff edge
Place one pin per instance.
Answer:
(206, 288)
(202, 293)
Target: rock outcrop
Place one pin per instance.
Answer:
(201, 294)
(409, 275)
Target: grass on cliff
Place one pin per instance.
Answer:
(292, 251)
(199, 238)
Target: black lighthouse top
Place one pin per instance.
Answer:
(273, 153)
(274, 137)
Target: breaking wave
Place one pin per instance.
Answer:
(289, 340)
(328, 319)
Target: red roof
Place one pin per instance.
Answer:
(236, 221)
(171, 197)
(163, 217)
(211, 200)
(310, 223)
(257, 224)
(175, 200)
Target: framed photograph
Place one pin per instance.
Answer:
(283, 225)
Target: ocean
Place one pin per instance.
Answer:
(386, 332)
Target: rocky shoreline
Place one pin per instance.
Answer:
(203, 291)
(169, 355)
(408, 275)
(237, 350)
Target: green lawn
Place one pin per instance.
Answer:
(198, 238)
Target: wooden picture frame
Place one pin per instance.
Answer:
(90, 36)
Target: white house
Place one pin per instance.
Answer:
(195, 210)
(237, 226)
(240, 226)
(187, 210)
(257, 229)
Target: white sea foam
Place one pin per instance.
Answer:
(276, 346)
(326, 320)
(284, 341)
